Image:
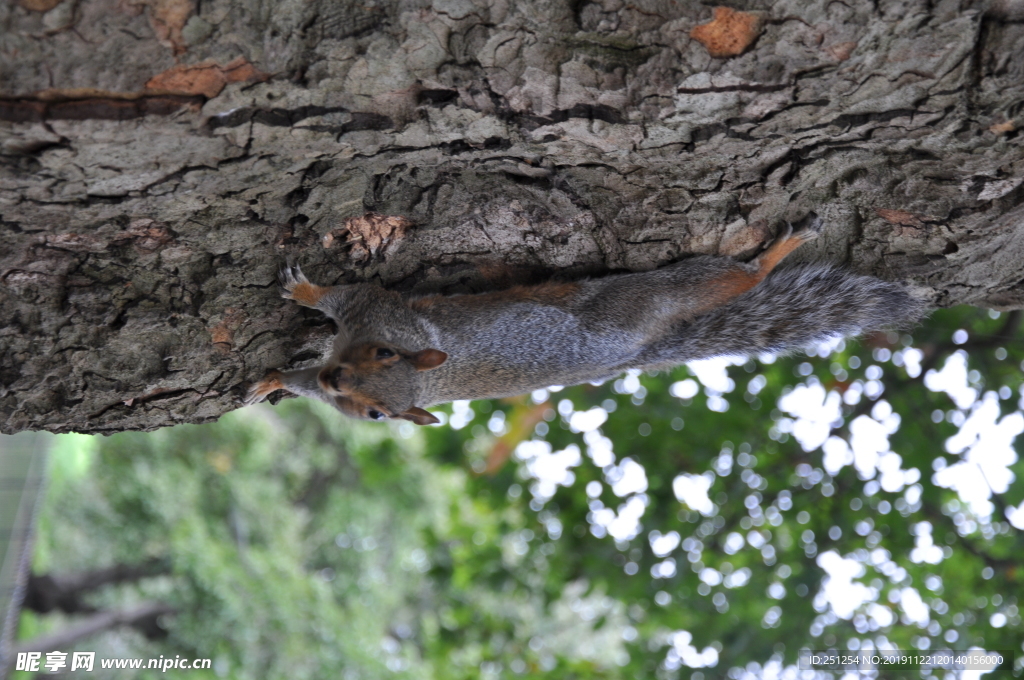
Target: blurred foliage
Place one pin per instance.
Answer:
(305, 545)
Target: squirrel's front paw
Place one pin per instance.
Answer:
(258, 391)
(290, 276)
(295, 286)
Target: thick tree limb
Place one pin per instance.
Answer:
(46, 592)
(143, 218)
(143, 615)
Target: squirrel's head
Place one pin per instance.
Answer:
(373, 381)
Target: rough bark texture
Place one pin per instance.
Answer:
(160, 158)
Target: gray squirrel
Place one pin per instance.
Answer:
(393, 355)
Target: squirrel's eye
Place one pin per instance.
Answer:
(384, 353)
(376, 415)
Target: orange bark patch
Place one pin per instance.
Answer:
(207, 78)
(168, 17)
(841, 51)
(729, 33)
(900, 218)
(1002, 128)
(145, 234)
(39, 5)
(223, 334)
(372, 234)
(908, 224)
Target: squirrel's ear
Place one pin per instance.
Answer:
(419, 416)
(426, 359)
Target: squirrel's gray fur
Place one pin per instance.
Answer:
(393, 355)
(791, 309)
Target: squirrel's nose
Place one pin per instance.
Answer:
(332, 379)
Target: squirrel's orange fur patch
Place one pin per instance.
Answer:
(550, 293)
(269, 384)
(307, 294)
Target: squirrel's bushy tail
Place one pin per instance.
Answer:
(792, 309)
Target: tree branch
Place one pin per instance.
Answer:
(95, 624)
(46, 592)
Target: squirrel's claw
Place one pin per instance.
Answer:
(800, 235)
(808, 229)
(295, 286)
(804, 233)
(253, 395)
(290, 275)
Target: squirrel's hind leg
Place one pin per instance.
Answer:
(739, 278)
(786, 243)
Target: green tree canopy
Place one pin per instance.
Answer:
(710, 521)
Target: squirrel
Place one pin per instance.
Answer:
(393, 355)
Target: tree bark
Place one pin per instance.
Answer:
(161, 158)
